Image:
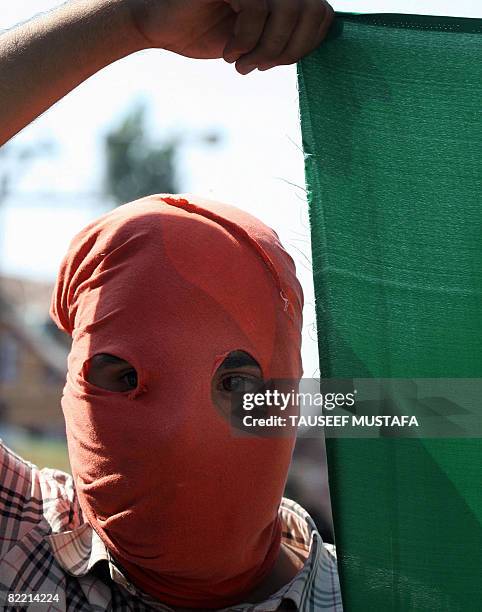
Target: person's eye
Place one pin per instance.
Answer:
(130, 379)
(238, 383)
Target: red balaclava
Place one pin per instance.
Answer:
(172, 285)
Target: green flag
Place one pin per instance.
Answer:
(392, 133)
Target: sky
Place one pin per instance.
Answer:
(258, 164)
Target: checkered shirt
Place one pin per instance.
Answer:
(46, 548)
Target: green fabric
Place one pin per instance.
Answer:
(391, 122)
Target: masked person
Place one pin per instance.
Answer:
(173, 304)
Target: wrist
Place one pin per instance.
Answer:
(138, 14)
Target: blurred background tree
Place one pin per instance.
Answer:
(16, 159)
(135, 165)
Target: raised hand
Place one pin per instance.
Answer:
(253, 33)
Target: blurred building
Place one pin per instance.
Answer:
(33, 358)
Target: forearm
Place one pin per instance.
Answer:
(44, 59)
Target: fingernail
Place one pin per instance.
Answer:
(247, 69)
(232, 57)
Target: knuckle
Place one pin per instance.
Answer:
(274, 45)
(278, 40)
(290, 9)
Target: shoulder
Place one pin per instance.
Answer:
(318, 582)
(31, 498)
(300, 528)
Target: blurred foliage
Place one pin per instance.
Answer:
(16, 159)
(48, 454)
(136, 166)
(42, 452)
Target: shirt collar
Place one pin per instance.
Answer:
(77, 552)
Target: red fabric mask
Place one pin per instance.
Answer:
(172, 285)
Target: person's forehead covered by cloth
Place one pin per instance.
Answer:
(162, 265)
(172, 285)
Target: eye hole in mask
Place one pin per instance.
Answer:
(111, 373)
(238, 374)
